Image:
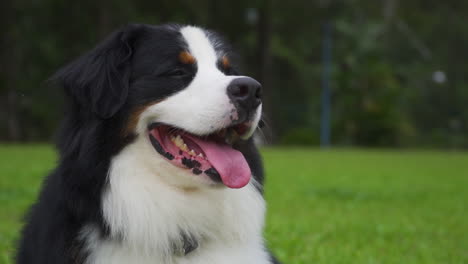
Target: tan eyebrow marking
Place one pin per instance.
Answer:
(225, 61)
(186, 58)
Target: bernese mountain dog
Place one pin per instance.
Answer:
(156, 158)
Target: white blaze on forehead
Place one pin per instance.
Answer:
(199, 46)
(203, 106)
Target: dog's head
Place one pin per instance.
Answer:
(176, 93)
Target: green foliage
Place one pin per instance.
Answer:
(301, 136)
(384, 55)
(337, 206)
(367, 91)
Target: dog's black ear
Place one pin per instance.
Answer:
(99, 80)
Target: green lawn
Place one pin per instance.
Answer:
(337, 206)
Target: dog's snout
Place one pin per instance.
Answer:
(245, 93)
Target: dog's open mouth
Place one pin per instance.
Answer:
(212, 155)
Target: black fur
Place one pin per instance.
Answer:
(129, 69)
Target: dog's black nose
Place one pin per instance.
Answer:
(245, 93)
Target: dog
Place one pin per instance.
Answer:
(156, 158)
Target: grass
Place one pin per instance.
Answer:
(22, 169)
(354, 206)
(336, 206)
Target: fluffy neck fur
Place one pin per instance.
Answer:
(148, 217)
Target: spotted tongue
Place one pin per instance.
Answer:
(230, 163)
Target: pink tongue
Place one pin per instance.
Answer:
(230, 163)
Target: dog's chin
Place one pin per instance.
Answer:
(203, 160)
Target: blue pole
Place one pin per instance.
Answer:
(326, 94)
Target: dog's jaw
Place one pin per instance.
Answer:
(146, 214)
(202, 108)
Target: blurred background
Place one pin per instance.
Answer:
(384, 73)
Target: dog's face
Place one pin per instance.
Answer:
(178, 96)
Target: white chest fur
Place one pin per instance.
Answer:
(146, 216)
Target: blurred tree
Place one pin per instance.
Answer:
(386, 54)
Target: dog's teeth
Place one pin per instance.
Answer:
(173, 139)
(192, 152)
(201, 155)
(179, 142)
(184, 147)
